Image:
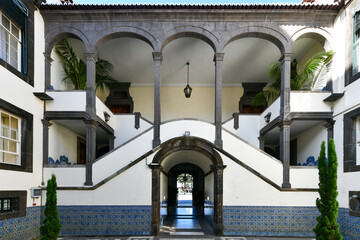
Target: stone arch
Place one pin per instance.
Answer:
(319, 34)
(180, 144)
(58, 34)
(188, 143)
(125, 31)
(191, 31)
(270, 34)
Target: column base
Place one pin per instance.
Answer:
(219, 143)
(154, 229)
(286, 185)
(90, 183)
(156, 142)
(219, 229)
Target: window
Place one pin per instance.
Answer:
(8, 204)
(16, 38)
(12, 204)
(9, 138)
(356, 39)
(352, 141)
(358, 141)
(16, 138)
(10, 42)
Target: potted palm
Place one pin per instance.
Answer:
(75, 68)
(309, 77)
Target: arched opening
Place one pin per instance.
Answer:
(197, 211)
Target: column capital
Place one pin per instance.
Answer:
(157, 56)
(111, 137)
(286, 57)
(90, 56)
(91, 123)
(329, 124)
(218, 57)
(155, 166)
(217, 167)
(46, 123)
(285, 124)
(48, 58)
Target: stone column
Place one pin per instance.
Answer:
(111, 142)
(330, 130)
(285, 152)
(90, 84)
(157, 56)
(46, 125)
(285, 87)
(155, 199)
(262, 142)
(285, 117)
(48, 61)
(90, 149)
(218, 59)
(218, 199)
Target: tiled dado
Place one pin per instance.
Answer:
(104, 220)
(21, 228)
(282, 221)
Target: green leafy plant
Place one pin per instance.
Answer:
(51, 224)
(327, 228)
(308, 77)
(75, 68)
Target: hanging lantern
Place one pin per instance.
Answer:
(187, 89)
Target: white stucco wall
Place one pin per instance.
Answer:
(248, 128)
(174, 105)
(20, 94)
(242, 188)
(124, 127)
(309, 142)
(62, 141)
(163, 187)
(209, 187)
(132, 187)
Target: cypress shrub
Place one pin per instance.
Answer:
(51, 224)
(327, 228)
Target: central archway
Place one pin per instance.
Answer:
(208, 159)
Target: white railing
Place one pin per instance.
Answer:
(66, 176)
(125, 127)
(301, 101)
(66, 101)
(122, 156)
(101, 108)
(248, 128)
(195, 128)
(304, 177)
(266, 165)
(274, 109)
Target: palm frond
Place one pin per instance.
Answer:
(75, 69)
(313, 67)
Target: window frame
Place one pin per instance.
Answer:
(25, 137)
(19, 210)
(22, 11)
(350, 141)
(351, 41)
(9, 138)
(9, 33)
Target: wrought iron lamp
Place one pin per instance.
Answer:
(187, 89)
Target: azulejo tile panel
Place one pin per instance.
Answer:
(21, 228)
(282, 221)
(104, 220)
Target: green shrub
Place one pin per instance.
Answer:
(51, 224)
(327, 227)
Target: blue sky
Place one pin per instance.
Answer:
(182, 1)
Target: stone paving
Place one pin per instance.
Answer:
(184, 238)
